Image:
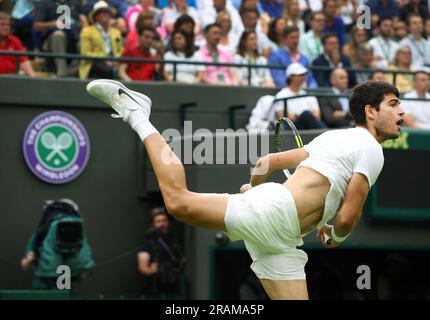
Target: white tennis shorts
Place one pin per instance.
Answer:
(265, 217)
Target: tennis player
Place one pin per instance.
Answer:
(333, 175)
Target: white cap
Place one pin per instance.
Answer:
(295, 69)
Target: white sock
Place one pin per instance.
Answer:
(144, 129)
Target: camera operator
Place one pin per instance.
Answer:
(161, 260)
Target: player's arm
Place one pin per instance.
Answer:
(276, 161)
(349, 214)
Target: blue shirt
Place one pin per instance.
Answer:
(273, 10)
(338, 27)
(390, 10)
(281, 57)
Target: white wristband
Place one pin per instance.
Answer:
(337, 238)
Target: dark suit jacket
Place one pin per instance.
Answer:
(323, 77)
(327, 107)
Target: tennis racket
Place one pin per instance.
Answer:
(286, 138)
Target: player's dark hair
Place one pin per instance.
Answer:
(369, 93)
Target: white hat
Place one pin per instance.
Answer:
(100, 6)
(295, 69)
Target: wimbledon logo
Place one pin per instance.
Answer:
(56, 147)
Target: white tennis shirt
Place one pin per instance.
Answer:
(337, 154)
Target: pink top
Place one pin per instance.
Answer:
(214, 73)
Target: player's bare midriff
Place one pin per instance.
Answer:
(309, 190)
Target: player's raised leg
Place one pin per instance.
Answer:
(202, 210)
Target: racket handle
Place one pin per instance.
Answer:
(287, 173)
(327, 239)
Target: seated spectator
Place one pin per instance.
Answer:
(161, 260)
(228, 41)
(332, 57)
(384, 48)
(100, 40)
(377, 75)
(348, 12)
(380, 9)
(143, 6)
(275, 34)
(414, 6)
(144, 71)
(417, 113)
(181, 49)
(335, 111)
(272, 7)
(263, 18)
(23, 14)
(365, 60)
(420, 47)
(186, 23)
(119, 11)
(402, 62)
(11, 43)
(304, 111)
(400, 30)
(287, 54)
(250, 19)
(210, 13)
(357, 38)
(211, 53)
(292, 15)
(333, 23)
(145, 18)
(310, 42)
(247, 53)
(56, 37)
(174, 11)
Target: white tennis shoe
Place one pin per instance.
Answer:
(123, 100)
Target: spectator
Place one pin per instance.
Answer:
(211, 53)
(23, 14)
(420, 47)
(357, 38)
(186, 23)
(228, 41)
(377, 75)
(275, 34)
(332, 57)
(174, 11)
(335, 111)
(333, 23)
(417, 113)
(263, 20)
(250, 19)
(57, 38)
(161, 260)
(119, 11)
(208, 16)
(287, 54)
(383, 47)
(402, 62)
(137, 70)
(292, 15)
(310, 43)
(365, 60)
(181, 49)
(272, 7)
(247, 53)
(380, 9)
(414, 6)
(348, 12)
(11, 43)
(100, 40)
(304, 111)
(400, 30)
(145, 18)
(143, 6)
